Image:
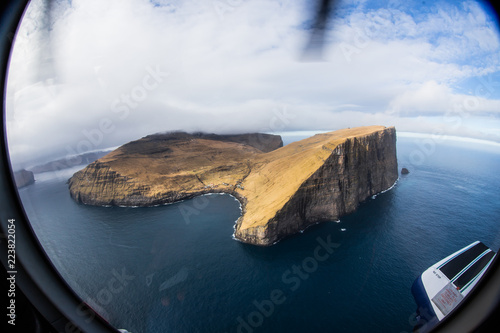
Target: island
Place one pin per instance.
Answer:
(282, 189)
(23, 178)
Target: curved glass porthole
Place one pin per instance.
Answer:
(179, 165)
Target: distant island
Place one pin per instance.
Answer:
(68, 162)
(282, 190)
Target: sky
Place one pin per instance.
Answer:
(91, 74)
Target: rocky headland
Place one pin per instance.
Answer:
(282, 190)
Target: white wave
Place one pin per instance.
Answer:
(388, 189)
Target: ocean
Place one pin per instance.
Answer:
(176, 268)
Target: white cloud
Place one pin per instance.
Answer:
(232, 64)
(433, 98)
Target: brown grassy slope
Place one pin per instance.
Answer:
(163, 168)
(179, 165)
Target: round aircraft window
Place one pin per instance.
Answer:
(260, 166)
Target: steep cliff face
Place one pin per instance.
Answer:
(98, 184)
(282, 189)
(355, 170)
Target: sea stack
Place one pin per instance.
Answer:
(24, 178)
(282, 190)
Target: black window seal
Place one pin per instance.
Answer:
(35, 275)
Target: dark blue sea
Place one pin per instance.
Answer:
(176, 268)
